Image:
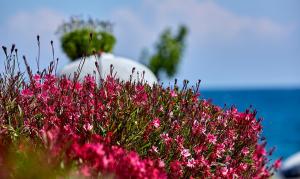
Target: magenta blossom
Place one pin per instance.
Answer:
(211, 138)
(185, 153)
(156, 123)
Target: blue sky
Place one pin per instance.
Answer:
(231, 44)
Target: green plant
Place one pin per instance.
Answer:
(83, 38)
(169, 50)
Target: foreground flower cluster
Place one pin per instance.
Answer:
(125, 129)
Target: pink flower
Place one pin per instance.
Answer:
(224, 171)
(220, 150)
(198, 149)
(49, 77)
(37, 77)
(243, 166)
(191, 163)
(176, 169)
(154, 149)
(156, 123)
(87, 127)
(245, 151)
(173, 93)
(197, 128)
(180, 140)
(89, 79)
(165, 137)
(228, 158)
(161, 163)
(277, 164)
(26, 93)
(260, 150)
(211, 138)
(78, 86)
(221, 147)
(175, 125)
(44, 96)
(85, 171)
(185, 153)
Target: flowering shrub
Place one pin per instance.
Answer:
(128, 129)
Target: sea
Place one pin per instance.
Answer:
(280, 110)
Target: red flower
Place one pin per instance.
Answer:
(26, 92)
(211, 138)
(277, 164)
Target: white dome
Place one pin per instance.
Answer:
(121, 66)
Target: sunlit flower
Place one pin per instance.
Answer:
(185, 153)
(191, 163)
(156, 123)
(87, 127)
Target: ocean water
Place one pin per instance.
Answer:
(280, 110)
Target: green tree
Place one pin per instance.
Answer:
(83, 38)
(168, 52)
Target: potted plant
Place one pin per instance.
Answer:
(89, 45)
(84, 38)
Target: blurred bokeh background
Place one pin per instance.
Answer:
(245, 53)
